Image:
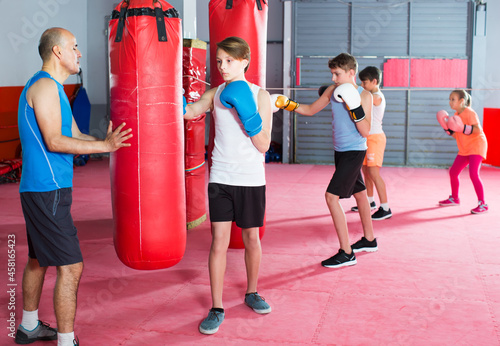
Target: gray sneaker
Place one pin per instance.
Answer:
(210, 325)
(43, 332)
(257, 303)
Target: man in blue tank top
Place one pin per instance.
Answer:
(352, 112)
(49, 139)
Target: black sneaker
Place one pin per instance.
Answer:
(364, 245)
(381, 214)
(373, 206)
(43, 332)
(341, 259)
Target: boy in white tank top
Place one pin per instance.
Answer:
(242, 120)
(371, 78)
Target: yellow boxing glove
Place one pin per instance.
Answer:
(285, 103)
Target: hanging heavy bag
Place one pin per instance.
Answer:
(147, 178)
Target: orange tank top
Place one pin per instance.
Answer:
(473, 144)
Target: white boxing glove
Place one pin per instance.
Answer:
(349, 94)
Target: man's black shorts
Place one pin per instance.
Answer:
(347, 179)
(246, 205)
(52, 238)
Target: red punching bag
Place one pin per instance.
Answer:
(246, 19)
(196, 188)
(194, 72)
(242, 18)
(147, 178)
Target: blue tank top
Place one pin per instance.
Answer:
(346, 136)
(43, 170)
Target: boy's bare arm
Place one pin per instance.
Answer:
(201, 106)
(364, 125)
(262, 140)
(316, 106)
(377, 100)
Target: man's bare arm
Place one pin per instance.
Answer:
(43, 96)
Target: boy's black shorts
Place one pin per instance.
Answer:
(246, 205)
(52, 238)
(347, 179)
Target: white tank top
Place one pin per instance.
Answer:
(378, 115)
(235, 160)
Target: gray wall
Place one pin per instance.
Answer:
(492, 67)
(21, 26)
(97, 60)
(374, 34)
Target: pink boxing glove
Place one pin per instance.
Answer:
(455, 124)
(442, 118)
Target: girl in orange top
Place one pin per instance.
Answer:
(472, 147)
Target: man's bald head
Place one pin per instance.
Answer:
(50, 38)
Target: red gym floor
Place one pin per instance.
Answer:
(434, 281)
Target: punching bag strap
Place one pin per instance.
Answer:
(121, 21)
(157, 12)
(229, 4)
(160, 23)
